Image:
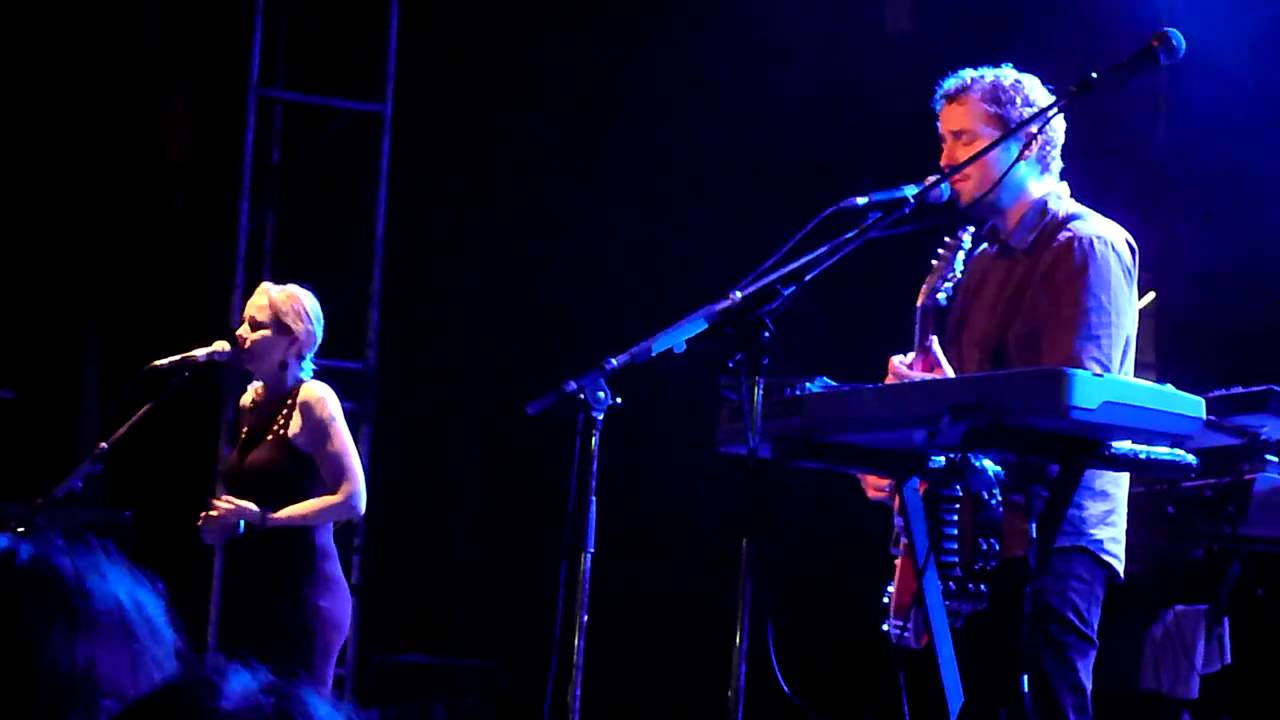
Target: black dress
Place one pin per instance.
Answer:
(284, 602)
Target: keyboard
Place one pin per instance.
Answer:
(973, 412)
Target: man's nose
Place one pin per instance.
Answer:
(947, 159)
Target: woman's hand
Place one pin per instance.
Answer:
(215, 528)
(235, 509)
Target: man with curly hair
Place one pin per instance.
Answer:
(1052, 283)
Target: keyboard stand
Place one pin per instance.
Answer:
(931, 592)
(1072, 453)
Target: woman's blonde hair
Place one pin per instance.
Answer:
(296, 309)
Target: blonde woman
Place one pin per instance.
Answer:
(294, 472)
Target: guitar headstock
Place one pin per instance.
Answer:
(947, 269)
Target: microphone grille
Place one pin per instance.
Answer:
(221, 350)
(938, 195)
(1170, 45)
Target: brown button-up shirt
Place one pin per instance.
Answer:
(1060, 291)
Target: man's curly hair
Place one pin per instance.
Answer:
(1010, 96)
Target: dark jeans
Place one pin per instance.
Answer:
(1064, 604)
(1043, 623)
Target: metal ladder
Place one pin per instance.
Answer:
(260, 229)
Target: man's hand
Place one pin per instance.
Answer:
(934, 365)
(902, 369)
(878, 489)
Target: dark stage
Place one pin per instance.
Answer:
(562, 181)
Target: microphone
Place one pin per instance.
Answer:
(217, 352)
(1166, 47)
(938, 195)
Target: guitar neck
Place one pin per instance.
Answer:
(936, 292)
(924, 328)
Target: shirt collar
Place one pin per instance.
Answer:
(1052, 204)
